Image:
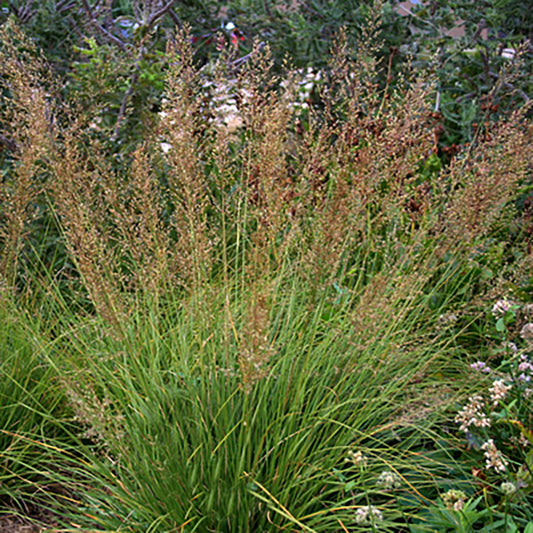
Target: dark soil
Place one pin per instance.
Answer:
(33, 520)
(17, 524)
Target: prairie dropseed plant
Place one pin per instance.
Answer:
(187, 182)
(488, 178)
(28, 132)
(261, 303)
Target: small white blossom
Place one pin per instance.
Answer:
(527, 332)
(493, 458)
(368, 515)
(473, 414)
(499, 391)
(501, 307)
(357, 458)
(447, 319)
(454, 499)
(525, 368)
(511, 346)
(480, 366)
(389, 480)
(508, 488)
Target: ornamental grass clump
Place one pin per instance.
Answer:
(243, 310)
(32, 414)
(28, 133)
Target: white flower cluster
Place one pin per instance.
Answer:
(357, 458)
(515, 377)
(525, 367)
(499, 391)
(447, 320)
(368, 515)
(510, 346)
(501, 307)
(493, 457)
(225, 104)
(473, 414)
(224, 99)
(527, 333)
(308, 81)
(454, 499)
(508, 488)
(480, 366)
(389, 480)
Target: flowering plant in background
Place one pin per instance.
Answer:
(226, 97)
(308, 81)
(389, 480)
(501, 307)
(504, 311)
(498, 421)
(454, 499)
(368, 515)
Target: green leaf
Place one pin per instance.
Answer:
(350, 486)
(506, 524)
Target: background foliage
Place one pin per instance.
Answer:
(127, 38)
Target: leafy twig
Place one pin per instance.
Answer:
(177, 21)
(100, 28)
(159, 13)
(238, 62)
(125, 100)
(24, 14)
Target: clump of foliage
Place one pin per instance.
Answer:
(260, 323)
(466, 45)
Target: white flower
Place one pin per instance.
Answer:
(454, 499)
(511, 346)
(447, 319)
(527, 332)
(368, 515)
(228, 108)
(389, 480)
(508, 488)
(233, 122)
(493, 458)
(357, 458)
(480, 366)
(165, 147)
(499, 391)
(501, 307)
(473, 414)
(525, 368)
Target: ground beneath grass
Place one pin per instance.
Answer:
(16, 524)
(35, 520)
